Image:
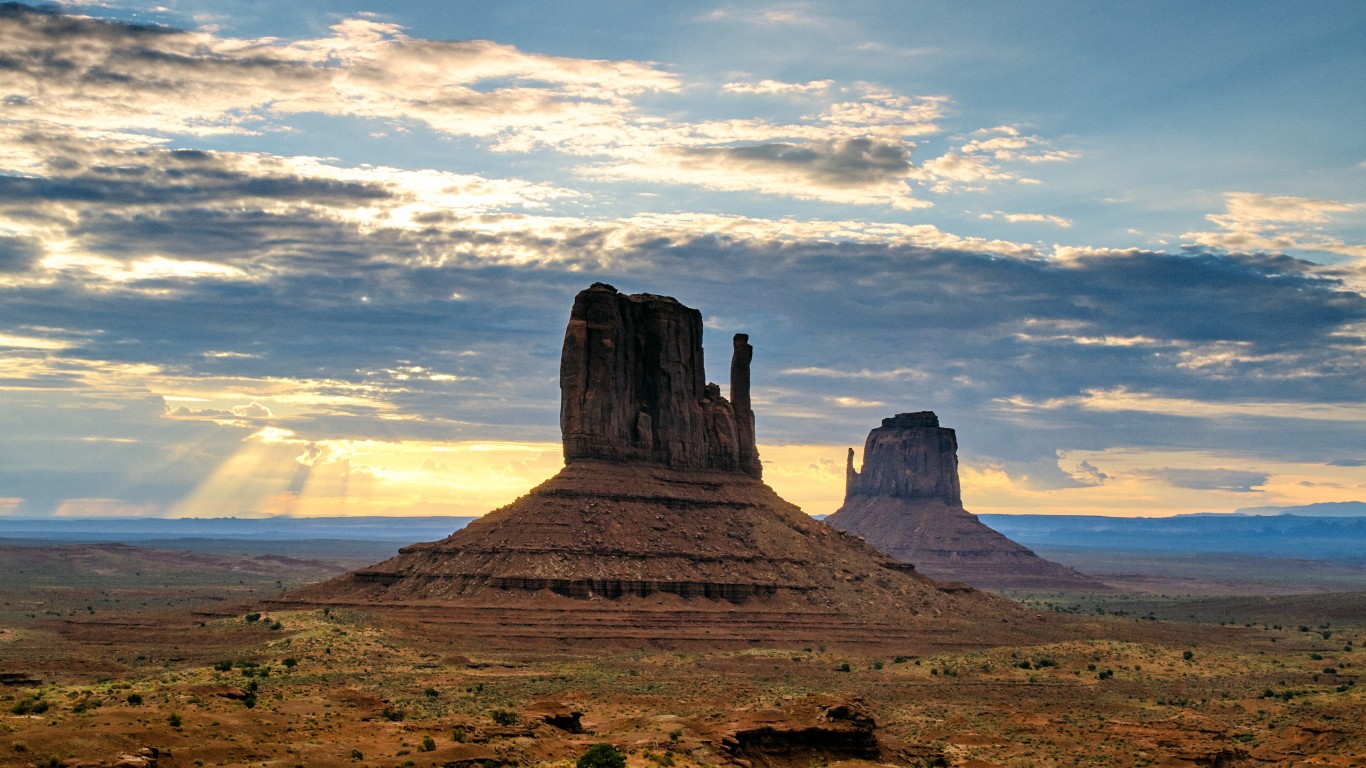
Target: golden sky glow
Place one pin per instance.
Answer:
(275, 473)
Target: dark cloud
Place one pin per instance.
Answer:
(849, 163)
(1347, 463)
(983, 331)
(1238, 481)
(18, 254)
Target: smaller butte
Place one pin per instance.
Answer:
(906, 502)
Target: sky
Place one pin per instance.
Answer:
(316, 258)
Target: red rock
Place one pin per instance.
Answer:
(906, 502)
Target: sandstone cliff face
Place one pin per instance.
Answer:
(633, 387)
(910, 457)
(906, 502)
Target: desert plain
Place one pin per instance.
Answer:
(116, 655)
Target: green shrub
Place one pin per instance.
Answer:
(223, 666)
(601, 756)
(173, 720)
(356, 754)
(33, 705)
(428, 744)
(253, 617)
(291, 662)
(503, 717)
(458, 735)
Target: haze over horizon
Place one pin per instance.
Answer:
(317, 258)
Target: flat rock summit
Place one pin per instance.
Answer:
(659, 530)
(906, 502)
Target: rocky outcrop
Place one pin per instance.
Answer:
(633, 387)
(906, 502)
(658, 530)
(814, 730)
(909, 457)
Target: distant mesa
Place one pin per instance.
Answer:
(658, 530)
(906, 501)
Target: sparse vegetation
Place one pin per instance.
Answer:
(601, 756)
(504, 717)
(30, 705)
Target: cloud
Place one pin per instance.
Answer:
(854, 402)
(858, 170)
(141, 84)
(896, 374)
(1122, 399)
(789, 15)
(779, 87)
(1015, 218)
(982, 160)
(18, 254)
(1087, 474)
(1253, 221)
(252, 411)
(102, 75)
(1233, 480)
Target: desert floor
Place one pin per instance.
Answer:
(148, 666)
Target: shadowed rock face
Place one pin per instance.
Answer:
(906, 502)
(633, 387)
(910, 457)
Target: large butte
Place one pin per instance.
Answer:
(658, 531)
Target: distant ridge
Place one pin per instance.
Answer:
(402, 530)
(1321, 509)
(1289, 536)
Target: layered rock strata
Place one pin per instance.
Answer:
(658, 529)
(906, 501)
(632, 387)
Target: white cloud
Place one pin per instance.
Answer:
(895, 374)
(1257, 222)
(93, 77)
(1120, 399)
(1042, 218)
(779, 87)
